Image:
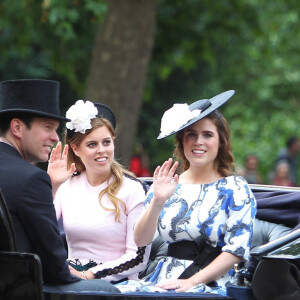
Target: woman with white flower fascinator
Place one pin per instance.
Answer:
(98, 198)
(205, 214)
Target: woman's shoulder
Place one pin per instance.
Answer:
(232, 179)
(133, 182)
(235, 182)
(73, 182)
(239, 186)
(235, 178)
(132, 191)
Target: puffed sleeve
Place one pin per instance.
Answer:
(241, 210)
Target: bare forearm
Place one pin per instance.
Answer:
(164, 185)
(145, 228)
(218, 267)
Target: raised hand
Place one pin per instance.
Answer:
(57, 166)
(164, 181)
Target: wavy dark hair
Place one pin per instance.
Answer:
(117, 169)
(224, 160)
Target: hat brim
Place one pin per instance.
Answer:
(35, 113)
(206, 106)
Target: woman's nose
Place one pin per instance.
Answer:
(199, 140)
(100, 149)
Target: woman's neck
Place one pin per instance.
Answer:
(199, 176)
(98, 178)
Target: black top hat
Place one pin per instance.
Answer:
(206, 106)
(33, 96)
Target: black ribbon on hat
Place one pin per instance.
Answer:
(205, 104)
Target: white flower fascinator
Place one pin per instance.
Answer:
(181, 116)
(175, 117)
(81, 114)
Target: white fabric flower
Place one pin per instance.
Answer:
(176, 117)
(80, 115)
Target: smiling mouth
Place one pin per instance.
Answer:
(199, 151)
(102, 159)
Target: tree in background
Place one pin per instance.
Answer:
(119, 65)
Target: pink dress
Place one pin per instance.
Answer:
(92, 232)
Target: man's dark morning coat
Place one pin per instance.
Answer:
(28, 194)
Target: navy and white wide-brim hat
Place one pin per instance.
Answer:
(183, 115)
(35, 97)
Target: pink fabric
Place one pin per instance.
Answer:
(92, 232)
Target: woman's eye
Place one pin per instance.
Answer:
(191, 134)
(107, 142)
(91, 145)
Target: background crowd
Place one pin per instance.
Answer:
(284, 171)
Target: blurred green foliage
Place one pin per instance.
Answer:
(201, 48)
(49, 39)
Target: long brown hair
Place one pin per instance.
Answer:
(117, 169)
(224, 160)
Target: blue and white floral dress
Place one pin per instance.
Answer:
(223, 212)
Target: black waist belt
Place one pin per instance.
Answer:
(198, 251)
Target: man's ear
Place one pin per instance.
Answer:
(16, 127)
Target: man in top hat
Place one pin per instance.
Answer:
(29, 118)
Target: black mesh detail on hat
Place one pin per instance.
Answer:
(105, 112)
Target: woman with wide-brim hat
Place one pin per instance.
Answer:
(205, 213)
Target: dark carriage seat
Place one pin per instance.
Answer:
(20, 276)
(20, 273)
